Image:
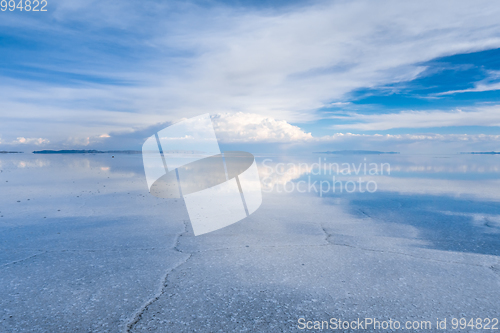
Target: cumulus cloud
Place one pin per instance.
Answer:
(248, 128)
(244, 127)
(30, 141)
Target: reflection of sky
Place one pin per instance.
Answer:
(451, 167)
(451, 200)
(406, 171)
(445, 222)
(457, 177)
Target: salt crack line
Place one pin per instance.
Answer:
(21, 260)
(164, 283)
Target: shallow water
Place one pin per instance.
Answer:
(85, 247)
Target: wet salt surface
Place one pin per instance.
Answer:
(84, 247)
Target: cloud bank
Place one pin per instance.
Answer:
(243, 129)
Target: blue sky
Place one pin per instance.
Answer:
(414, 77)
(447, 83)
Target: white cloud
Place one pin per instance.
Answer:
(479, 87)
(279, 64)
(30, 141)
(78, 141)
(244, 127)
(282, 65)
(487, 84)
(412, 137)
(482, 116)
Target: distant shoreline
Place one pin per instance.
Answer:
(87, 152)
(482, 153)
(356, 152)
(11, 152)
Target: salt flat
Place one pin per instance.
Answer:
(92, 251)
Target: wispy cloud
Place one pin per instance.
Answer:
(482, 116)
(123, 66)
(480, 87)
(489, 84)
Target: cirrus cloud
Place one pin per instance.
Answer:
(479, 116)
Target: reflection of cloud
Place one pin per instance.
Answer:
(38, 163)
(272, 174)
(482, 189)
(459, 168)
(479, 189)
(410, 174)
(277, 172)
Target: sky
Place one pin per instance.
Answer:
(414, 77)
